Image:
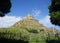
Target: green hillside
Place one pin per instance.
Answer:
(29, 30)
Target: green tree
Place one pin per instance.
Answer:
(54, 10)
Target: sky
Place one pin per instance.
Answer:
(20, 8)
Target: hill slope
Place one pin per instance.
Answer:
(28, 29)
(30, 23)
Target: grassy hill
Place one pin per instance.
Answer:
(28, 30)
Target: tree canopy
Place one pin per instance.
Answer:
(5, 6)
(54, 12)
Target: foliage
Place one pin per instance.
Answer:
(54, 10)
(32, 30)
(23, 34)
(5, 6)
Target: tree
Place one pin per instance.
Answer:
(54, 12)
(5, 6)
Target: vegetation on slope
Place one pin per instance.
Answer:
(29, 31)
(24, 34)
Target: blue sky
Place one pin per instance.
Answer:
(23, 7)
(20, 8)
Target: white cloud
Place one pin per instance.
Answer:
(36, 12)
(46, 21)
(8, 21)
